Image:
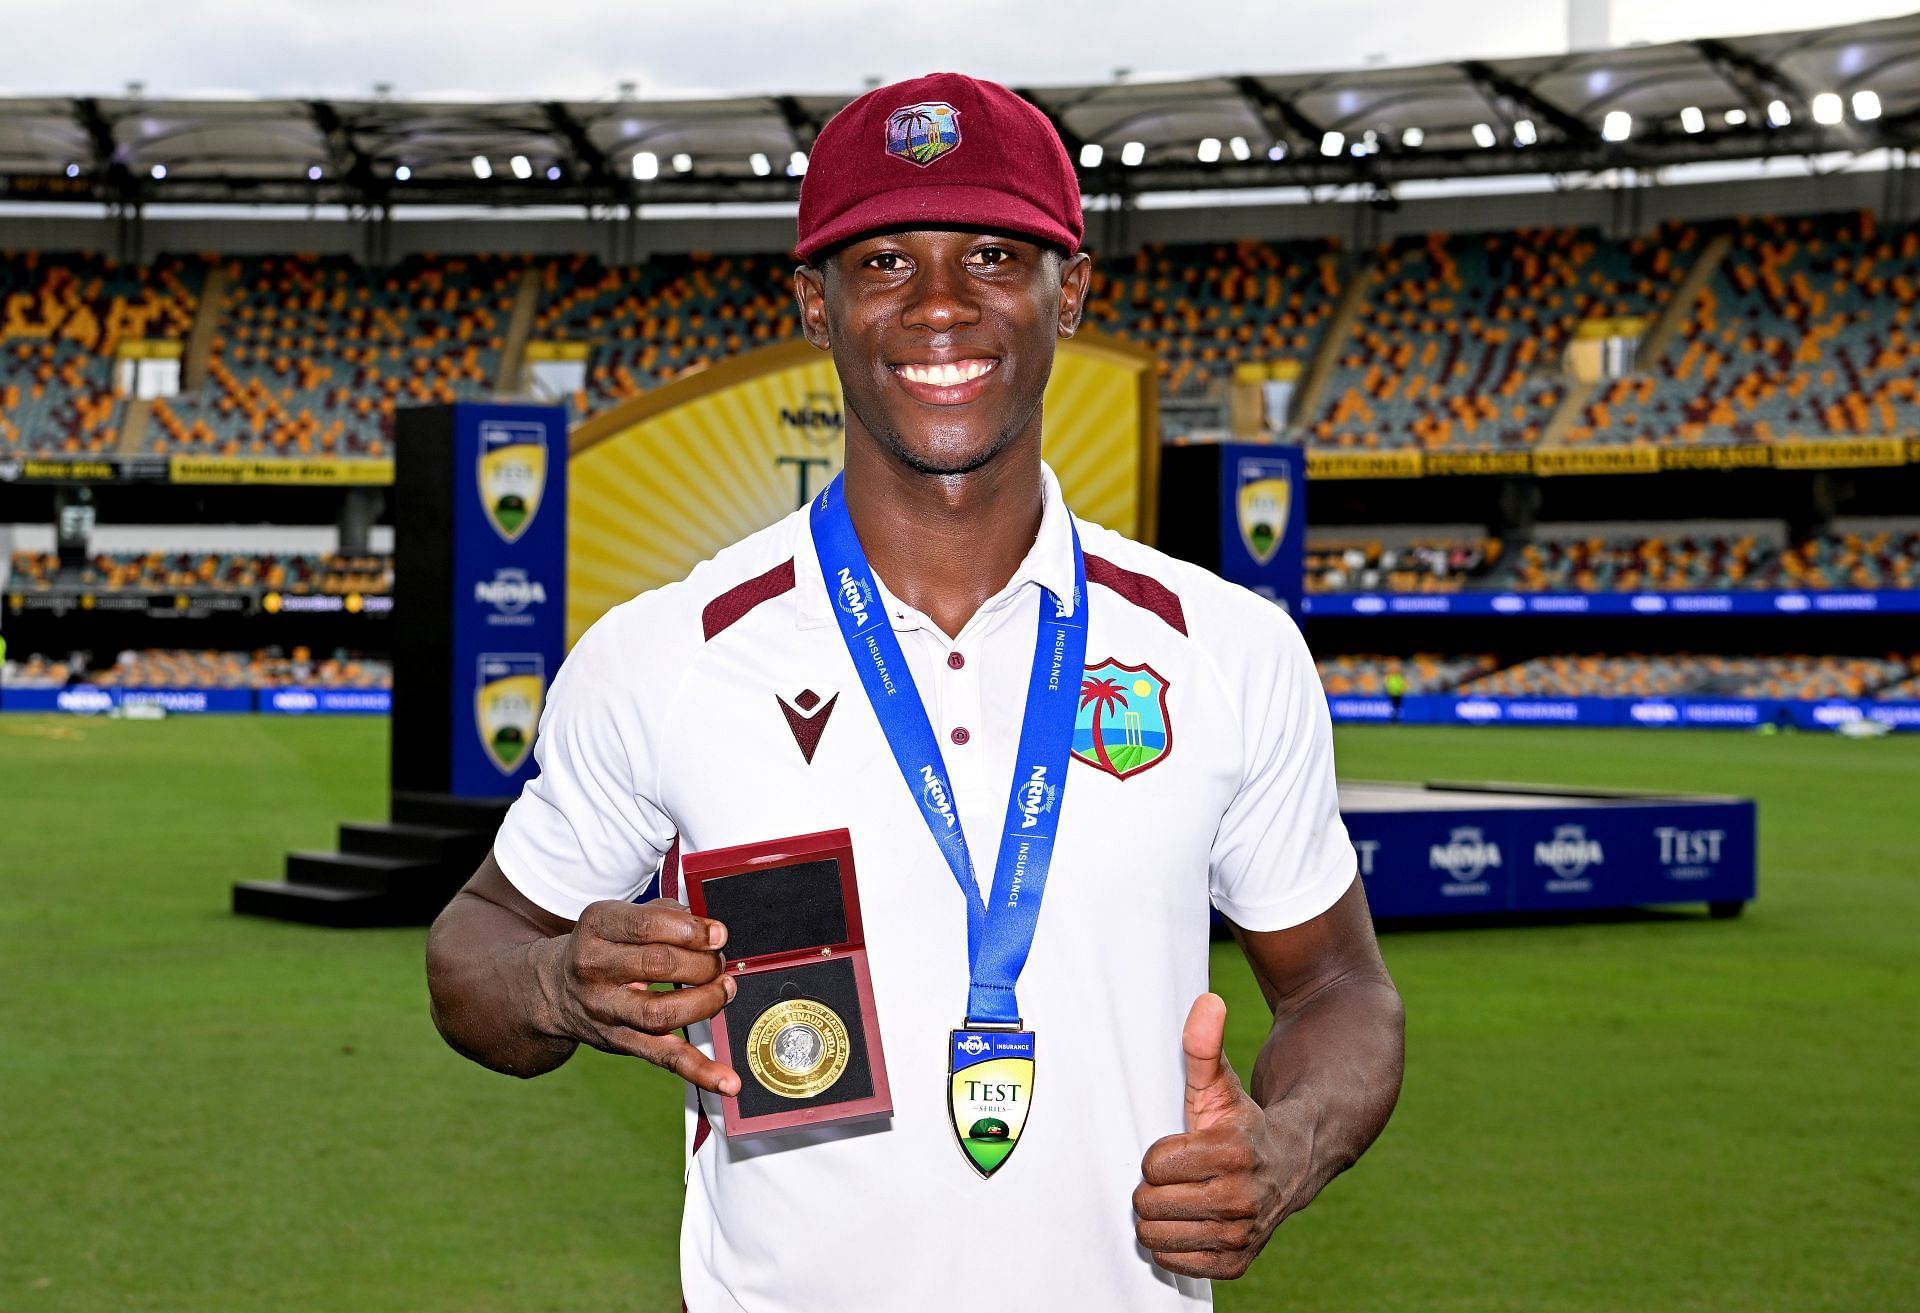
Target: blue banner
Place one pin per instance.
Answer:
(1613, 854)
(1647, 713)
(1263, 520)
(1887, 602)
(325, 701)
(509, 589)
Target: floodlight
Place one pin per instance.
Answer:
(1277, 151)
(1778, 114)
(1866, 105)
(761, 168)
(1091, 153)
(1735, 117)
(1209, 149)
(1827, 109)
(1240, 149)
(315, 173)
(1413, 138)
(796, 164)
(553, 173)
(1483, 136)
(522, 168)
(1523, 133)
(159, 172)
(482, 167)
(401, 172)
(646, 166)
(1617, 126)
(1333, 143)
(1692, 119)
(1132, 153)
(683, 163)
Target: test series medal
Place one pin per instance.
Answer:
(990, 1066)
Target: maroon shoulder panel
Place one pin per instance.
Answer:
(742, 598)
(1143, 591)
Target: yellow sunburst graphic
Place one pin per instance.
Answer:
(666, 480)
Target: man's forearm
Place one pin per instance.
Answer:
(485, 972)
(1337, 1054)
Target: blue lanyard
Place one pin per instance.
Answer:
(1000, 928)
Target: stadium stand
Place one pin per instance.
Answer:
(1802, 332)
(1882, 559)
(219, 571)
(1460, 339)
(270, 668)
(1433, 566)
(1640, 562)
(1425, 672)
(653, 323)
(63, 318)
(313, 353)
(1206, 308)
(1800, 677)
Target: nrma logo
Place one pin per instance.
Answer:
(933, 796)
(854, 597)
(509, 591)
(973, 1046)
(1465, 855)
(1036, 796)
(1569, 852)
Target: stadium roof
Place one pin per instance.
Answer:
(1851, 88)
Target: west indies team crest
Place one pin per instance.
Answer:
(1123, 726)
(513, 474)
(921, 134)
(506, 705)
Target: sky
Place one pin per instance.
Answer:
(585, 49)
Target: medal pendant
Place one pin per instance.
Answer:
(989, 1090)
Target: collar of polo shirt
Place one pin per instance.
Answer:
(1049, 563)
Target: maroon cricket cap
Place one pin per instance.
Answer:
(941, 151)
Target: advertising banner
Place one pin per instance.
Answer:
(1725, 602)
(1547, 858)
(509, 589)
(1263, 519)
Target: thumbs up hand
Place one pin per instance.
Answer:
(1210, 1197)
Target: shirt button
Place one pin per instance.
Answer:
(960, 735)
(955, 660)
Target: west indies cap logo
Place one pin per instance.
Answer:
(513, 474)
(506, 705)
(1122, 726)
(921, 134)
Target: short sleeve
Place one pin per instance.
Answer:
(589, 825)
(1282, 855)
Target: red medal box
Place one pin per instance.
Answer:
(801, 1031)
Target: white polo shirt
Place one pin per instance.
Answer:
(685, 715)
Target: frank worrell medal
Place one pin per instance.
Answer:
(797, 1048)
(990, 1069)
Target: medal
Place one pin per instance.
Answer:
(797, 1048)
(989, 1089)
(990, 1063)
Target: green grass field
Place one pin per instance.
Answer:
(207, 1113)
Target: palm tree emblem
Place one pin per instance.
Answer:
(1102, 695)
(913, 135)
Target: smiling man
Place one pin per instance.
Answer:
(1190, 757)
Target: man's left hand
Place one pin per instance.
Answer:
(1211, 1196)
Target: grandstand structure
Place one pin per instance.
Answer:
(1665, 369)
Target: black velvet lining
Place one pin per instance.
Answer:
(779, 909)
(829, 981)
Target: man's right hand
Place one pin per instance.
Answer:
(596, 981)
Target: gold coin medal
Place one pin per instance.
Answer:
(797, 1048)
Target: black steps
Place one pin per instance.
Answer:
(397, 873)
